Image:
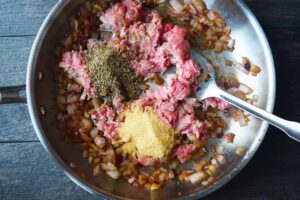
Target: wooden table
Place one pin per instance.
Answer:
(27, 172)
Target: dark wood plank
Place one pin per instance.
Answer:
(276, 14)
(273, 173)
(15, 121)
(23, 17)
(27, 172)
(286, 48)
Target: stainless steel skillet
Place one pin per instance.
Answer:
(41, 94)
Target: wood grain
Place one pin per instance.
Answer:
(23, 17)
(15, 122)
(14, 53)
(276, 13)
(27, 172)
(285, 45)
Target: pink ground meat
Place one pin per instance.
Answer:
(176, 44)
(104, 118)
(117, 103)
(74, 64)
(187, 122)
(152, 46)
(146, 37)
(146, 160)
(122, 14)
(160, 45)
(184, 152)
(217, 103)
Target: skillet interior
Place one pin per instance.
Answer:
(251, 42)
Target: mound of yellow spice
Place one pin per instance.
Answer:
(144, 133)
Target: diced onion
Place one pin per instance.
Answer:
(205, 183)
(187, 1)
(71, 109)
(229, 137)
(232, 90)
(231, 43)
(255, 98)
(94, 132)
(196, 177)
(86, 124)
(106, 27)
(113, 174)
(131, 180)
(83, 96)
(240, 95)
(221, 159)
(211, 15)
(214, 162)
(155, 186)
(220, 149)
(246, 63)
(96, 170)
(100, 141)
(240, 67)
(240, 150)
(176, 5)
(219, 46)
(227, 62)
(245, 89)
(90, 159)
(255, 69)
(108, 166)
(212, 169)
(232, 111)
(242, 119)
(171, 174)
(162, 177)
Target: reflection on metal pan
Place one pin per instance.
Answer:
(41, 93)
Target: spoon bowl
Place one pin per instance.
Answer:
(210, 88)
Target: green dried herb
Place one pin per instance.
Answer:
(112, 75)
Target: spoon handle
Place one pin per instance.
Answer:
(292, 129)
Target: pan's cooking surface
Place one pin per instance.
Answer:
(42, 60)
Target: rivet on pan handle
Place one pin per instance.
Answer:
(12, 94)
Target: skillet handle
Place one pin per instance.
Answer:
(12, 94)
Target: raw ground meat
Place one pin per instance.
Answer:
(146, 160)
(160, 45)
(74, 64)
(104, 119)
(122, 14)
(217, 103)
(152, 46)
(184, 152)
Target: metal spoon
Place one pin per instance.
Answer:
(210, 89)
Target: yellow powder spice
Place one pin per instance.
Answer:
(144, 133)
